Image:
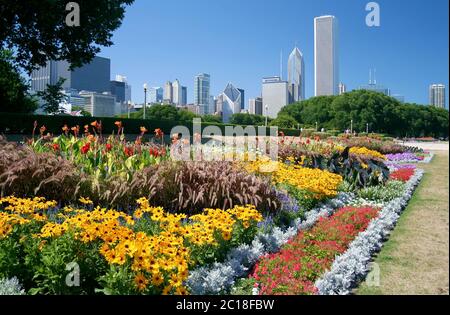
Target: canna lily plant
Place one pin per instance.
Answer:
(99, 156)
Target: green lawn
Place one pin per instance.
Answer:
(415, 259)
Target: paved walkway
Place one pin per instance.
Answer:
(415, 260)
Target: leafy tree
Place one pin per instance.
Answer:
(14, 95)
(247, 119)
(384, 114)
(284, 121)
(212, 118)
(52, 97)
(37, 30)
(185, 115)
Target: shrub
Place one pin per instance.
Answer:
(392, 190)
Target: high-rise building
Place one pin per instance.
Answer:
(168, 93)
(326, 58)
(94, 76)
(212, 104)
(296, 76)
(117, 89)
(242, 98)
(342, 88)
(231, 102)
(275, 95)
(374, 86)
(437, 95)
(177, 92)
(100, 104)
(155, 95)
(255, 106)
(183, 95)
(202, 84)
(121, 78)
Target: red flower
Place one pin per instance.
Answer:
(308, 141)
(153, 152)
(129, 151)
(55, 146)
(403, 174)
(85, 149)
(108, 147)
(306, 257)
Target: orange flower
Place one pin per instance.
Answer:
(65, 128)
(158, 133)
(143, 130)
(42, 129)
(94, 124)
(118, 124)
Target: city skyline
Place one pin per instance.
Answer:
(401, 40)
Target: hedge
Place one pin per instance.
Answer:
(16, 123)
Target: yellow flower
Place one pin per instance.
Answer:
(141, 282)
(85, 201)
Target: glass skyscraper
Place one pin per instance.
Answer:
(202, 92)
(296, 76)
(94, 76)
(326, 59)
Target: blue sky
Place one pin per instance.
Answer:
(239, 41)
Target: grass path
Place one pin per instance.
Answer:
(415, 259)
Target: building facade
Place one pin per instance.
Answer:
(275, 95)
(376, 88)
(342, 88)
(183, 95)
(202, 84)
(100, 105)
(437, 95)
(168, 93)
(94, 76)
(121, 78)
(155, 95)
(176, 92)
(255, 106)
(117, 89)
(231, 102)
(326, 58)
(296, 76)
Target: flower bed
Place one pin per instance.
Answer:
(177, 227)
(296, 267)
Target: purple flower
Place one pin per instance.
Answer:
(402, 157)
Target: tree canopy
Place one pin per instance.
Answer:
(382, 113)
(247, 119)
(14, 95)
(37, 31)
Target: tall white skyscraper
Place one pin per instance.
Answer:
(231, 102)
(342, 88)
(168, 93)
(326, 57)
(201, 92)
(437, 95)
(296, 76)
(275, 95)
(177, 93)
